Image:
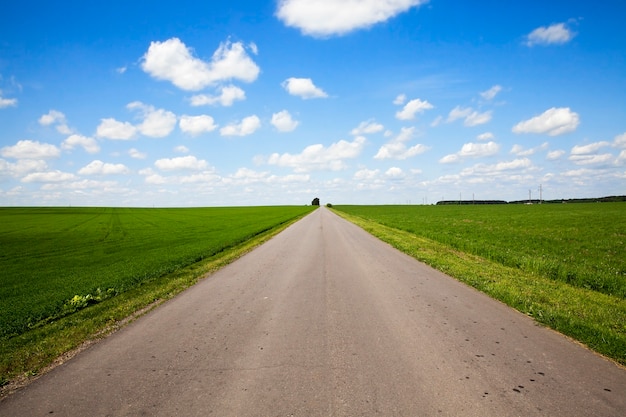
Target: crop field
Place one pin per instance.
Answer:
(562, 264)
(583, 245)
(54, 261)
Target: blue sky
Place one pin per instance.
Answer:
(220, 103)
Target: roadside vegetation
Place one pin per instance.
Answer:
(564, 265)
(71, 274)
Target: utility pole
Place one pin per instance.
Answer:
(530, 200)
(540, 193)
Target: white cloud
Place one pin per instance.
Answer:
(366, 128)
(587, 154)
(394, 172)
(412, 108)
(181, 163)
(228, 95)
(556, 33)
(491, 93)
(519, 150)
(7, 102)
(196, 125)
(620, 141)
(283, 122)
(90, 145)
(28, 149)
(98, 167)
(57, 118)
(303, 87)
(554, 121)
(366, 174)
(136, 154)
(50, 176)
(323, 18)
(475, 118)
(400, 100)
(319, 157)
(247, 126)
(592, 159)
(181, 149)
(173, 61)
(590, 148)
(112, 129)
(22, 167)
(553, 155)
(472, 150)
(485, 136)
(157, 123)
(470, 116)
(397, 149)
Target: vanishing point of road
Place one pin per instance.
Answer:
(326, 320)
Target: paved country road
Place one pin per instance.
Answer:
(325, 320)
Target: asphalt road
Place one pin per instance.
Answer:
(325, 320)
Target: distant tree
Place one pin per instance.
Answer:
(329, 205)
(316, 202)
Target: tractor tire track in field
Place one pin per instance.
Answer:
(325, 320)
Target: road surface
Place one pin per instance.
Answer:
(325, 320)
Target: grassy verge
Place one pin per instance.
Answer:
(25, 356)
(597, 320)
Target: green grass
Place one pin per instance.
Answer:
(26, 355)
(583, 245)
(493, 248)
(55, 261)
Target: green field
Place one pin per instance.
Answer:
(55, 261)
(583, 245)
(562, 264)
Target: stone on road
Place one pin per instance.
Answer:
(326, 320)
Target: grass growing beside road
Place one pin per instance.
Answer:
(593, 316)
(134, 256)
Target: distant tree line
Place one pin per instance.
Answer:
(609, 199)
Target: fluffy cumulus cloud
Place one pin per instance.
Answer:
(366, 128)
(322, 18)
(7, 102)
(485, 136)
(21, 167)
(470, 116)
(181, 163)
(519, 150)
(110, 128)
(412, 108)
(557, 33)
(303, 87)
(554, 122)
(227, 97)
(157, 123)
(98, 167)
(472, 150)
(589, 154)
(49, 176)
(246, 127)
(397, 148)
(54, 117)
(196, 125)
(29, 149)
(173, 61)
(136, 154)
(283, 122)
(319, 157)
(89, 145)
